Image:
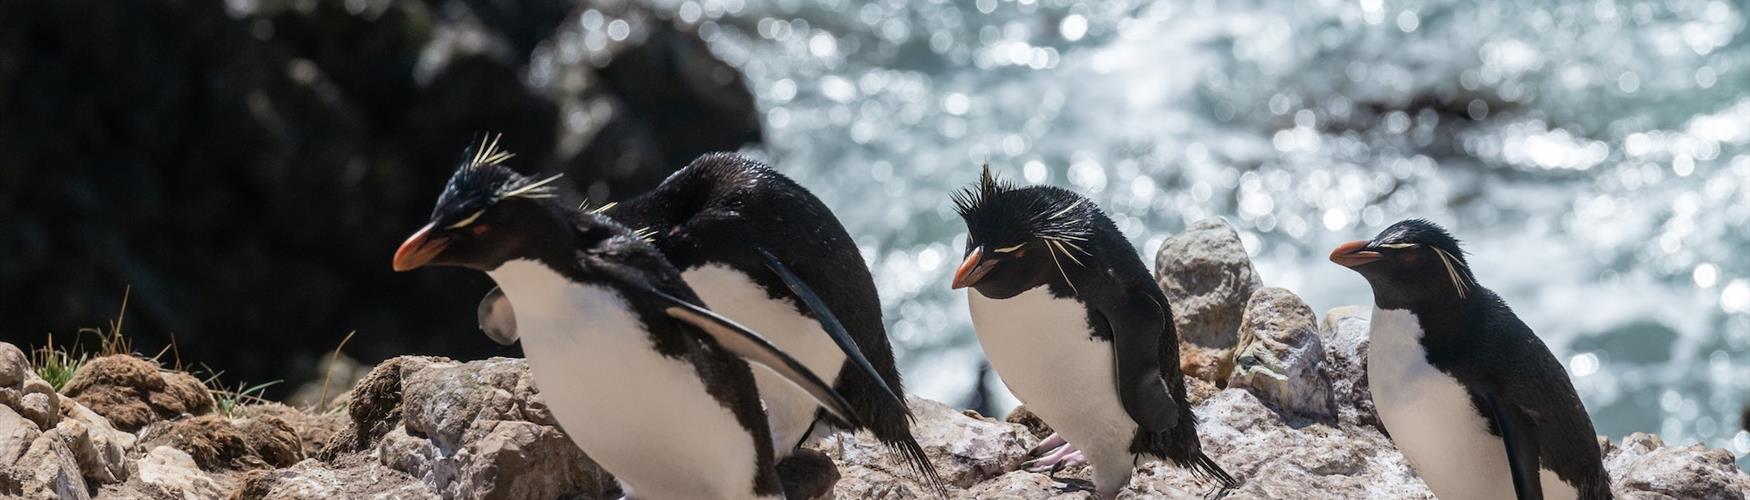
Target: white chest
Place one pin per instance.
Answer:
(1046, 354)
(664, 436)
(1432, 420)
(789, 409)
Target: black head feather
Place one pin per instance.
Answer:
(1001, 213)
(1420, 232)
(1414, 233)
(482, 179)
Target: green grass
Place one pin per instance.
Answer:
(56, 364)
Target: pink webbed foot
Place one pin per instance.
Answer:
(1054, 453)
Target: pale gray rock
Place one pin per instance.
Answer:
(13, 365)
(41, 409)
(100, 456)
(167, 472)
(1344, 333)
(1277, 457)
(316, 480)
(1643, 467)
(966, 448)
(479, 430)
(1280, 358)
(16, 434)
(49, 470)
(1207, 278)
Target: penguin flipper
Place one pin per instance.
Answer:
(1138, 323)
(497, 319)
(1518, 434)
(752, 347)
(829, 323)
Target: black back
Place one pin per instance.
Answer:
(724, 208)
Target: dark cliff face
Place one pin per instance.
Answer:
(249, 167)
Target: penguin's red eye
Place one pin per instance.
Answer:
(478, 229)
(1409, 257)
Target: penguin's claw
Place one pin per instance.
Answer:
(1051, 443)
(1062, 456)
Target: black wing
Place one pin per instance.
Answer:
(828, 322)
(1138, 322)
(750, 346)
(497, 319)
(1520, 436)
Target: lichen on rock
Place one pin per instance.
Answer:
(1280, 357)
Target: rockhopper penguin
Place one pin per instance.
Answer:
(1478, 405)
(1077, 329)
(648, 383)
(763, 251)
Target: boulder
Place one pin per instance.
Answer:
(1280, 358)
(132, 392)
(13, 365)
(167, 472)
(41, 409)
(100, 456)
(1344, 333)
(1207, 278)
(1643, 466)
(478, 430)
(49, 470)
(16, 434)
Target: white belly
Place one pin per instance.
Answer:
(1432, 420)
(789, 410)
(1047, 356)
(644, 417)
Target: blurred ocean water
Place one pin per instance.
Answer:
(1594, 156)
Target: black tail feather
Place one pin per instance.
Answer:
(920, 465)
(1205, 468)
(1180, 446)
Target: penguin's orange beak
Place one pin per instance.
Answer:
(1354, 254)
(972, 269)
(419, 249)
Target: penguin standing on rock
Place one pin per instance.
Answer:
(765, 252)
(1078, 330)
(1478, 405)
(650, 384)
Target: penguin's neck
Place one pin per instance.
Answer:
(542, 298)
(1441, 325)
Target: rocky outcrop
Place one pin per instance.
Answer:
(1207, 278)
(131, 391)
(435, 428)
